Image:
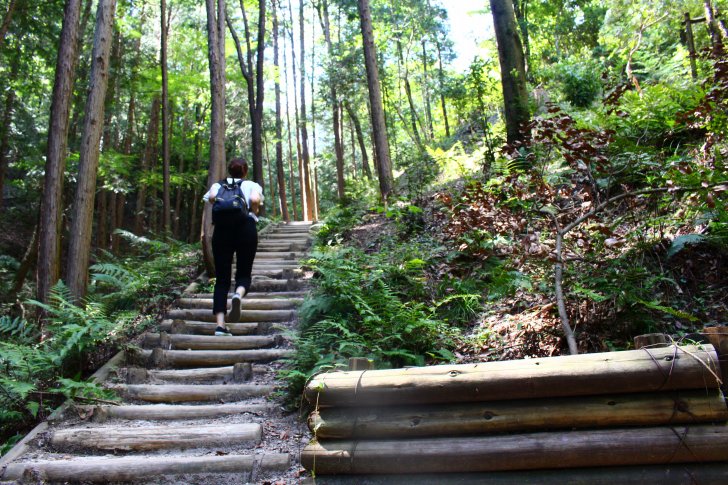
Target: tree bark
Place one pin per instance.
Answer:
(166, 205)
(150, 152)
(640, 409)
(6, 121)
(323, 11)
(81, 225)
(426, 85)
(360, 139)
(280, 175)
(216, 55)
(7, 19)
(717, 30)
(526, 451)
(645, 370)
(381, 143)
(441, 78)
(414, 119)
(306, 173)
(513, 70)
(49, 247)
(26, 263)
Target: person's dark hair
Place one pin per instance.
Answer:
(238, 168)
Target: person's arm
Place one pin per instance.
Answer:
(212, 193)
(255, 200)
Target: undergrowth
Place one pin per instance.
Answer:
(43, 361)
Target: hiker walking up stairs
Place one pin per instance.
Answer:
(196, 408)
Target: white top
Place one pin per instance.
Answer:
(247, 187)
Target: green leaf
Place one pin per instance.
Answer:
(679, 243)
(33, 407)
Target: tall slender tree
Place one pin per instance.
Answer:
(255, 83)
(166, 207)
(9, 106)
(280, 175)
(49, 250)
(379, 128)
(513, 69)
(306, 173)
(216, 55)
(79, 247)
(323, 10)
(291, 176)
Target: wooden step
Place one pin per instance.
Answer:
(164, 359)
(210, 342)
(208, 328)
(203, 315)
(149, 412)
(255, 295)
(174, 393)
(246, 303)
(206, 375)
(135, 468)
(149, 438)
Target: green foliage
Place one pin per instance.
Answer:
(42, 365)
(579, 82)
(362, 306)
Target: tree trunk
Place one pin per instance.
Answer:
(26, 263)
(291, 172)
(216, 55)
(717, 30)
(426, 85)
(280, 175)
(176, 223)
(7, 19)
(83, 72)
(306, 173)
(441, 77)
(166, 205)
(360, 139)
(81, 225)
(7, 120)
(199, 121)
(414, 119)
(50, 213)
(381, 143)
(336, 112)
(149, 153)
(513, 70)
(298, 138)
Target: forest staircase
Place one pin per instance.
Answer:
(193, 403)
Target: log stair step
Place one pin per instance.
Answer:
(176, 393)
(255, 295)
(135, 468)
(210, 342)
(205, 315)
(246, 303)
(208, 328)
(148, 438)
(237, 373)
(164, 359)
(101, 414)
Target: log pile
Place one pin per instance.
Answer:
(653, 407)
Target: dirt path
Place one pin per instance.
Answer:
(197, 409)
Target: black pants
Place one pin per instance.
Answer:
(227, 240)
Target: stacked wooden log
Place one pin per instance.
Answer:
(653, 407)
